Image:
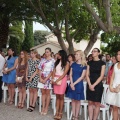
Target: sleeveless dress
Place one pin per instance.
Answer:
(10, 78)
(21, 71)
(78, 93)
(32, 66)
(95, 71)
(111, 97)
(60, 89)
(46, 66)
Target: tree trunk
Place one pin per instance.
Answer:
(61, 41)
(93, 39)
(4, 30)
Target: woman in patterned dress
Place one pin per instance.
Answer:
(32, 78)
(46, 67)
(21, 73)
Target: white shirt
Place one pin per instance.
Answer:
(2, 62)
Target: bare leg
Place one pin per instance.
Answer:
(9, 92)
(12, 92)
(31, 96)
(96, 110)
(47, 100)
(43, 99)
(115, 113)
(73, 107)
(20, 95)
(77, 109)
(23, 95)
(35, 95)
(90, 109)
(57, 104)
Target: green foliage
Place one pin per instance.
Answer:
(39, 37)
(16, 35)
(112, 42)
(29, 38)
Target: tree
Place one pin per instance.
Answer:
(39, 37)
(16, 35)
(106, 14)
(11, 11)
(29, 38)
(66, 14)
(111, 43)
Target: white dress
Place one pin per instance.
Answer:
(111, 97)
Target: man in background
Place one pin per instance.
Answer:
(2, 62)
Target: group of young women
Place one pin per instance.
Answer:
(26, 71)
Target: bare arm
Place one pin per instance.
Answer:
(80, 78)
(101, 76)
(87, 75)
(71, 80)
(65, 72)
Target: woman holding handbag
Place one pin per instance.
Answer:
(21, 77)
(59, 79)
(113, 94)
(45, 69)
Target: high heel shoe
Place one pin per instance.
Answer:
(56, 116)
(19, 105)
(22, 106)
(59, 116)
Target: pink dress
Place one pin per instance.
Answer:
(60, 89)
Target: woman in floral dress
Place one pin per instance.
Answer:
(46, 67)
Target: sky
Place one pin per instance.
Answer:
(38, 26)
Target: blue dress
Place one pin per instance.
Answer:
(11, 76)
(78, 93)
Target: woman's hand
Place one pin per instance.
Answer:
(112, 89)
(92, 87)
(117, 89)
(27, 79)
(72, 86)
(4, 72)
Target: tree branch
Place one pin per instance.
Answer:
(76, 32)
(96, 17)
(56, 14)
(106, 4)
(40, 11)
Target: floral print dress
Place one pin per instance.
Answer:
(46, 66)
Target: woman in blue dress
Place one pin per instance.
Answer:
(76, 88)
(9, 74)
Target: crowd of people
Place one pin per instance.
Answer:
(52, 71)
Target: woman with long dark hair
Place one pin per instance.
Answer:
(9, 76)
(94, 76)
(21, 77)
(59, 79)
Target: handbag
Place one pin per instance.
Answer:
(59, 82)
(19, 79)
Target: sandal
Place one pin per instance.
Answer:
(31, 109)
(73, 117)
(22, 106)
(19, 105)
(56, 116)
(59, 117)
(11, 102)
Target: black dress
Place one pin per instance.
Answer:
(95, 71)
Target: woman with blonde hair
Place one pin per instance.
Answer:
(76, 88)
(32, 78)
(21, 77)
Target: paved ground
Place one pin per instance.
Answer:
(8, 112)
(12, 113)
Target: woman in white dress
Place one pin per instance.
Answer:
(113, 95)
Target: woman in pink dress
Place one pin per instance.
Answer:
(59, 79)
